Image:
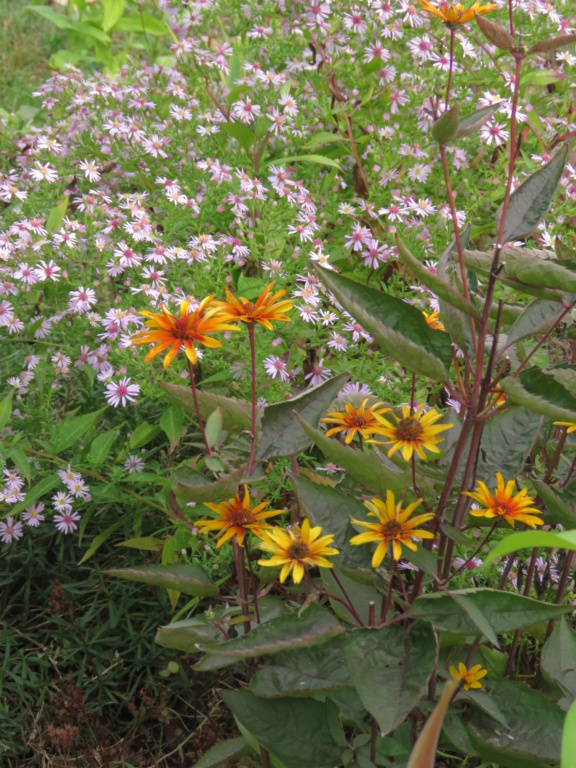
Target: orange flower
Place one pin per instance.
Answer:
(266, 308)
(434, 321)
(235, 518)
(454, 15)
(167, 330)
(505, 503)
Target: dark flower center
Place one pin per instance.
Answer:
(409, 430)
(358, 420)
(298, 550)
(503, 509)
(392, 529)
(241, 516)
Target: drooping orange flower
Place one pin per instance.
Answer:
(455, 15)
(434, 321)
(166, 330)
(236, 518)
(505, 503)
(267, 307)
(361, 420)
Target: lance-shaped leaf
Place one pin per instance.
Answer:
(472, 122)
(559, 659)
(440, 287)
(68, 431)
(552, 44)
(505, 611)
(399, 328)
(185, 635)
(423, 754)
(223, 753)
(301, 736)
(446, 127)
(531, 200)
(481, 263)
(365, 468)
(187, 579)
(303, 672)
(282, 434)
(540, 268)
(313, 627)
(541, 393)
(537, 317)
(506, 441)
(476, 615)
(390, 668)
(236, 414)
(532, 539)
(569, 739)
(496, 34)
(559, 510)
(192, 486)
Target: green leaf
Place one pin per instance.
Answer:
(84, 28)
(187, 579)
(365, 468)
(236, 64)
(58, 19)
(314, 626)
(172, 423)
(282, 434)
(569, 739)
(213, 427)
(6, 409)
(236, 414)
(530, 539)
(322, 137)
(399, 328)
(506, 441)
(143, 434)
(241, 133)
(558, 510)
(222, 753)
(56, 216)
(542, 394)
(390, 668)
(537, 317)
(440, 287)
(20, 461)
(481, 262)
(97, 541)
(533, 736)
(303, 672)
(113, 10)
(144, 23)
(145, 543)
(531, 200)
(471, 123)
(36, 492)
(71, 430)
(446, 127)
(193, 487)
(505, 611)
(540, 268)
(476, 615)
(559, 659)
(316, 159)
(299, 736)
(101, 447)
(185, 635)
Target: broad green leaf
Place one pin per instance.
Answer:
(322, 137)
(101, 447)
(505, 611)
(36, 492)
(58, 19)
(533, 736)
(332, 510)
(476, 615)
(236, 414)
(537, 317)
(559, 659)
(213, 427)
(540, 268)
(194, 487)
(299, 736)
(97, 541)
(471, 123)
(365, 468)
(84, 28)
(143, 434)
(541, 393)
(506, 441)
(530, 201)
(113, 10)
(185, 635)
(481, 262)
(145, 543)
(172, 423)
(187, 579)
(6, 409)
(314, 626)
(282, 433)
(399, 328)
(558, 510)
(71, 430)
(20, 461)
(530, 539)
(241, 133)
(144, 23)
(359, 589)
(303, 672)
(440, 287)
(390, 668)
(56, 216)
(446, 127)
(569, 739)
(315, 159)
(540, 77)
(222, 753)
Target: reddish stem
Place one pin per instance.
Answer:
(197, 407)
(253, 374)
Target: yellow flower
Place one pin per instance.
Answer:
(413, 432)
(454, 15)
(362, 420)
(167, 330)
(266, 308)
(469, 677)
(433, 321)
(570, 426)
(296, 549)
(504, 503)
(394, 526)
(237, 519)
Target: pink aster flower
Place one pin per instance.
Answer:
(10, 531)
(121, 392)
(66, 521)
